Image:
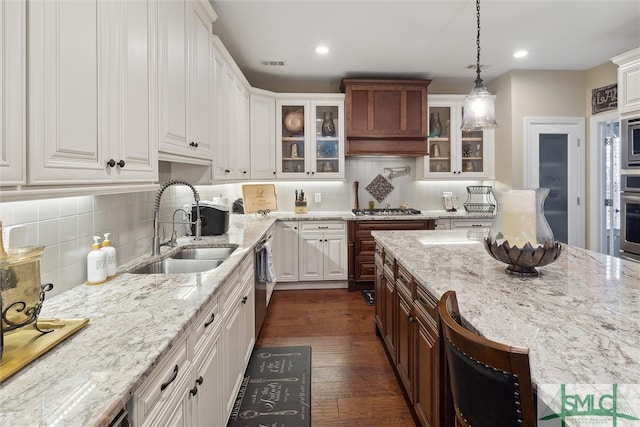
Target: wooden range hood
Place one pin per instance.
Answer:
(386, 117)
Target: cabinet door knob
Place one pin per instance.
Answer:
(227, 171)
(210, 321)
(313, 173)
(111, 163)
(200, 380)
(193, 391)
(244, 299)
(193, 144)
(411, 318)
(244, 172)
(172, 379)
(121, 163)
(381, 276)
(295, 228)
(307, 172)
(274, 172)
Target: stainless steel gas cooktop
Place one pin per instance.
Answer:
(385, 212)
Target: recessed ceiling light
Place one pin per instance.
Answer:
(322, 50)
(520, 54)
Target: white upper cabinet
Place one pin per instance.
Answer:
(628, 82)
(231, 117)
(12, 92)
(185, 80)
(263, 135)
(310, 136)
(454, 154)
(91, 91)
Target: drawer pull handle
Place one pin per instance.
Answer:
(244, 299)
(378, 251)
(424, 303)
(402, 279)
(210, 321)
(194, 390)
(323, 227)
(172, 379)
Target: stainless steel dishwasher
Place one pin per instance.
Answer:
(265, 280)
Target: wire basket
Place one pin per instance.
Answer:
(484, 204)
(479, 207)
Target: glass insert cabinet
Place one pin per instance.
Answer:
(310, 138)
(452, 152)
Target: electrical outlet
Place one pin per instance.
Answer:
(318, 197)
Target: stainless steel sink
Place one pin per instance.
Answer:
(205, 253)
(173, 266)
(188, 260)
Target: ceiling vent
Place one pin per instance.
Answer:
(273, 63)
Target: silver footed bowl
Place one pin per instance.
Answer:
(522, 261)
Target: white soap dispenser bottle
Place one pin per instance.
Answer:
(110, 252)
(96, 263)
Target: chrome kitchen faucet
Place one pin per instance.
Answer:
(155, 250)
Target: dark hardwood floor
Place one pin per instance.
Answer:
(352, 382)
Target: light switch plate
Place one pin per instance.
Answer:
(318, 197)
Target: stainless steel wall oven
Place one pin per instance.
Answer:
(630, 218)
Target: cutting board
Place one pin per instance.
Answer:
(259, 197)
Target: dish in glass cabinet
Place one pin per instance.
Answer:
(293, 122)
(327, 151)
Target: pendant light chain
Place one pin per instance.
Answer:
(478, 81)
(478, 112)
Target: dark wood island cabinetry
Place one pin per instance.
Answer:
(362, 247)
(407, 323)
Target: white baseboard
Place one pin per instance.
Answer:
(339, 284)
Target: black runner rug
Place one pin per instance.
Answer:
(276, 389)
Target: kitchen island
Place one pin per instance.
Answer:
(580, 318)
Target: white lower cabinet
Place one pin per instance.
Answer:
(161, 397)
(310, 251)
(285, 246)
(323, 251)
(196, 382)
(238, 331)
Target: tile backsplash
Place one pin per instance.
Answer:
(66, 226)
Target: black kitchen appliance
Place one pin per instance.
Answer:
(215, 218)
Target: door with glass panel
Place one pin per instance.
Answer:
(554, 159)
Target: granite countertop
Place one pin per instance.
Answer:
(580, 318)
(134, 319)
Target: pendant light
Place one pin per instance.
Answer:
(479, 105)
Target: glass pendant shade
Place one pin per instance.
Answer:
(479, 110)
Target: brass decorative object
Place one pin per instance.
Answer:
(27, 344)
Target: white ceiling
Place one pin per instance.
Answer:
(432, 39)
